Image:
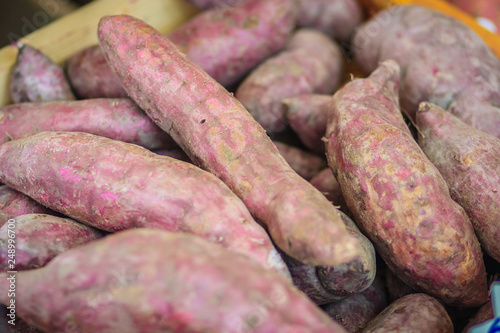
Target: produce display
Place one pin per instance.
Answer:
(266, 166)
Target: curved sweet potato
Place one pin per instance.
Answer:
(156, 281)
(14, 203)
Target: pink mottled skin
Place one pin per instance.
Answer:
(209, 4)
(442, 61)
(113, 186)
(294, 71)
(91, 77)
(155, 281)
(469, 161)
(326, 183)
(484, 313)
(227, 42)
(35, 78)
(355, 311)
(117, 119)
(306, 115)
(40, 238)
(326, 284)
(218, 134)
(398, 198)
(306, 164)
(336, 18)
(14, 203)
(412, 313)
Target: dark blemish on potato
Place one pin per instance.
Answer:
(203, 121)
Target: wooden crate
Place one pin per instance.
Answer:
(77, 30)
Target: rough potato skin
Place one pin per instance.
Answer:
(14, 203)
(306, 164)
(292, 72)
(469, 161)
(117, 119)
(484, 313)
(336, 18)
(326, 183)
(227, 42)
(41, 237)
(218, 134)
(355, 311)
(326, 284)
(156, 281)
(91, 77)
(398, 198)
(35, 78)
(112, 185)
(443, 61)
(307, 115)
(412, 313)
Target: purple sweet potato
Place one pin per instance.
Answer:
(218, 134)
(292, 72)
(412, 313)
(35, 78)
(306, 164)
(326, 183)
(484, 314)
(326, 284)
(444, 62)
(91, 77)
(14, 203)
(398, 198)
(355, 311)
(117, 119)
(155, 281)
(112, 185)
(336, 18)
(469, 160)
(306, 115)
(227, 42)
(209, 4)
(40, 237)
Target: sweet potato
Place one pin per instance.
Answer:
(332, 284)
(41, 237)
(118, 119)
(412, 313)
(306, 164)
(444, 62)
(156, 281)
(174, 153)
(336, 18)
(326, 183)
(112, 185)
(14, 203)
(36, 78)
(484, 314)
(306, 115)
(355, 311)
(398, 198)
(292, 72)
(218, 134)
(469, 161)
(227, 42)
(91, 77)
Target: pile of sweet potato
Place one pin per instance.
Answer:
(230, 177)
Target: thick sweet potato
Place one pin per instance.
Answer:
(155, 281)
(91, 77)
(399, 199)
(444, 62)
(227, 42)
(412, 313)
(14, 203)
(326, 183)
(336, 18)
(306, 164)
(357, 310)
(292, 72)
(334, 283)
(117, 119)
(306, 115)
(469, 161)
(36, 78)
(112, 185)
(218, 134)
(40, 237)
(484, 314)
